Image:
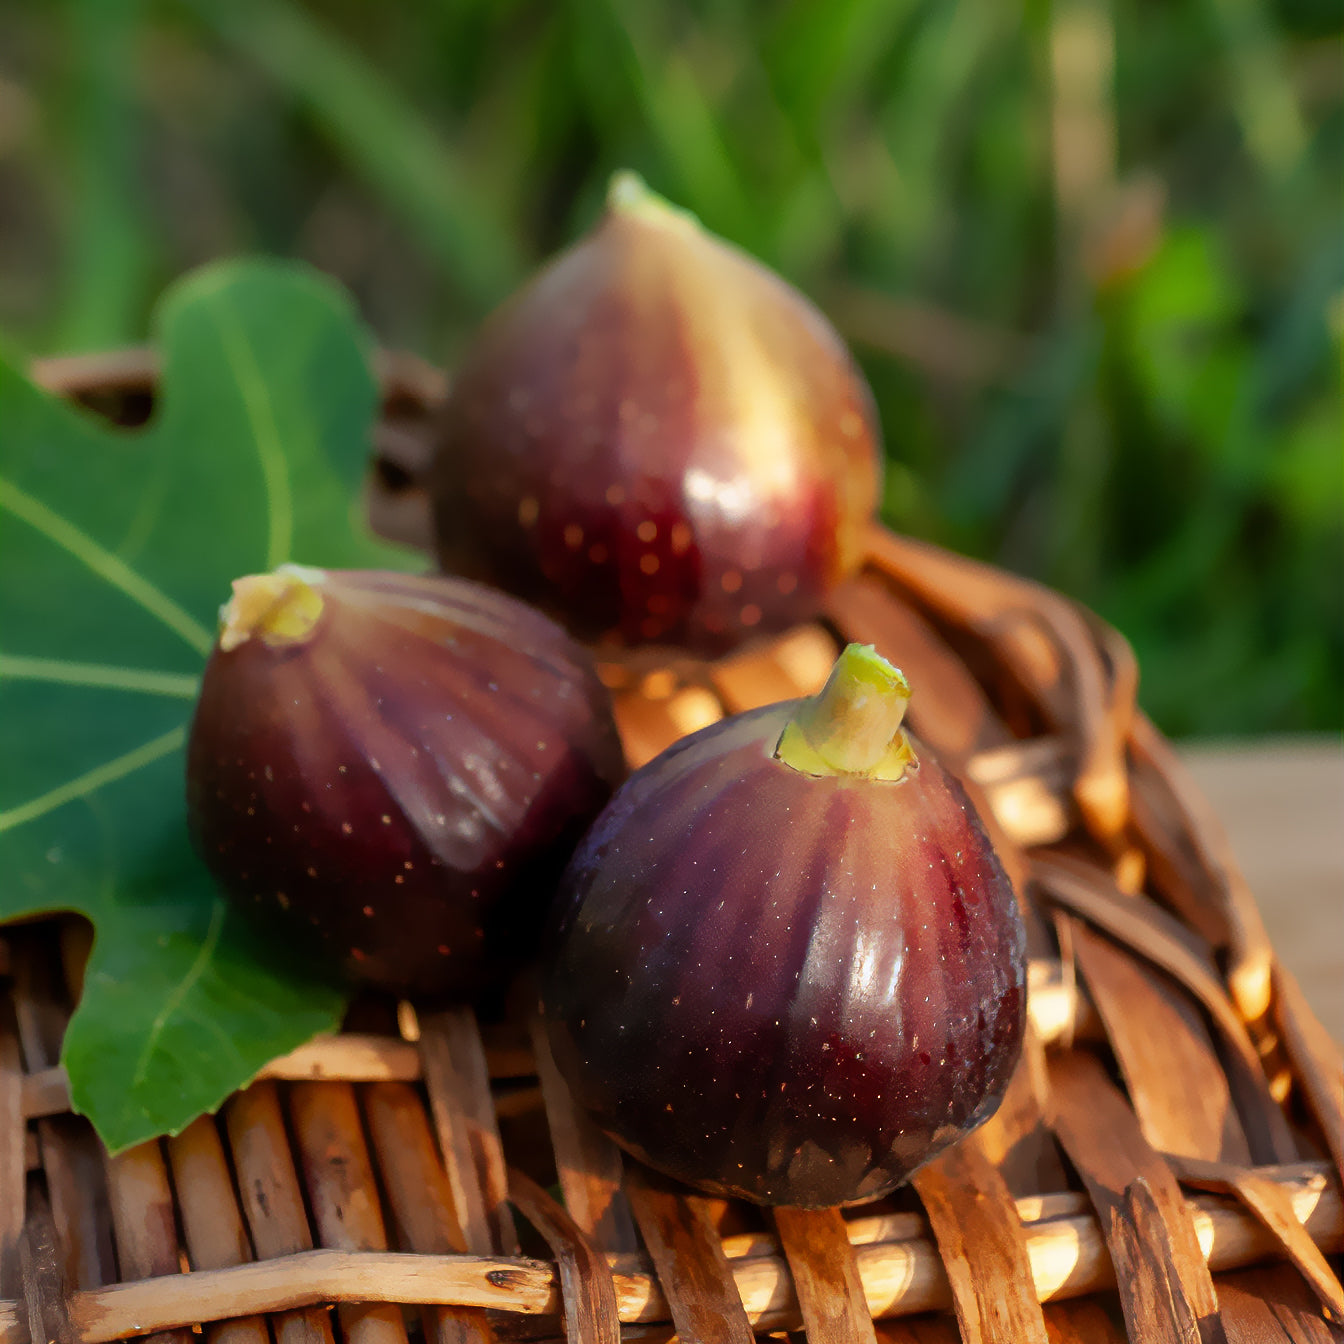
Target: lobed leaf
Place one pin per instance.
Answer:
(116, 550)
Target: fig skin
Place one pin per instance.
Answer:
(780, 987)
(396, 786)
(658, 440)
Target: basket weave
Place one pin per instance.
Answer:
(1166, 1165)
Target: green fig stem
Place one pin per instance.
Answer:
(628, 194)
(852, 726)
(280, 609)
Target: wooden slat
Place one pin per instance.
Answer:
(979, 1236)
(1174, 1077)
(419, 1198)
(591, 1313)
(1176, 873)
(699, 1286)
(130, 368)
(311, 1277)
(72, 1161)
(1086, 1321)
(1262, 1308)
(272, 1198)
(211, 1224)
(1280, 801)
(795, 664)
(418, 1194)
(267, 1178)
(1143, 926)
(648, 727)
(1145, 1264)
(1272, 1205)
(458, 1083)
(1316, 1061)
(13, 1157)
(41, 1006)
(343, 1195)
(71, 1156)
(1103, 775)
(825, 1276)
(919, 1330)
(351, 1058)
(1016, 1138)
(1194, 863)
(588, 1164)
(1025, 788)
(1102, 1138)
(1068, 1260)
(45, 1289)
(46, 1092)
(1205, 865)
(143, 1219)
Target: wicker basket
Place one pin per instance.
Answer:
(1166, 1165)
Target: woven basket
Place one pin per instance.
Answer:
(1166, 1165)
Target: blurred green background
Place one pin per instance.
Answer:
(1090, 253)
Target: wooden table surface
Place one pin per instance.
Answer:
(1282, 802)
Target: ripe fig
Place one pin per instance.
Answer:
(658, 440)
(395, 769)
(787, 964)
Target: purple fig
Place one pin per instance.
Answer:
(658, 440)
(394, 769)
(787, 964)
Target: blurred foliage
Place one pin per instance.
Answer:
(1090, 252)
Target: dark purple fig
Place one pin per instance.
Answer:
(395, 769)
(787, 964)
(658, 440)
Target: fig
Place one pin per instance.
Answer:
(658, 440)
(787, 965)
(394, 770)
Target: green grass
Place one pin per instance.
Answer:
(1116, 368)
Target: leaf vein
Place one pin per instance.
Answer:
(176, 685)
(106, 565)
(83, 785)
(265, 436)
(180, 991)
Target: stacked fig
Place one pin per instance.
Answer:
(781, 961)
(658, 439)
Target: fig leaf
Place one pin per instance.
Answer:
(116, 549)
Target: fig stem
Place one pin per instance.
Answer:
(852, 726)
(628, 194)
(280, 608)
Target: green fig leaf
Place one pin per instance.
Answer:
(116, 550)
